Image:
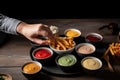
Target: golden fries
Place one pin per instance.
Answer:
(114, 48)
(63, 43)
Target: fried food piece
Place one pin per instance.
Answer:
(63, 43)
(115, 48)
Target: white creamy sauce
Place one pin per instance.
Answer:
(85, 49)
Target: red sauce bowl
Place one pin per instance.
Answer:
(94, 38)
(42, 54)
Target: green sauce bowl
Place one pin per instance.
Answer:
(66, 62)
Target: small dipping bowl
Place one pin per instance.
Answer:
(91, 65)
(94, 38)
(4, 76)
(85, 49)
(66, 62)
(32, 70)
(43, 55)
(72, 32)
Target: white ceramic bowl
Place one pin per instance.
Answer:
(63, 51)
(91, 63)
(76, 33)
(93, 37)
(85, 49)
(31, 69)
(42, 54)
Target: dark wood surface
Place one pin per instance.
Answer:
(15, 52)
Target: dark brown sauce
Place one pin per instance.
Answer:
(93, 38)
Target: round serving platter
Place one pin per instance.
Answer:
(53, 69)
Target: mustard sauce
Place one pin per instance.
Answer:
(72, 33)
(31, 68)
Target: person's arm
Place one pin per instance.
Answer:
(30, 31)
(8, 25)
(34, 31)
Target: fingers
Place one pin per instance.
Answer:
(42, 30)
(45, 31)
(40, 41)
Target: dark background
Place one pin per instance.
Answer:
(45, 10)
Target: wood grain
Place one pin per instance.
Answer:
(15, 52)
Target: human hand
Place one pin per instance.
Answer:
(34, 31)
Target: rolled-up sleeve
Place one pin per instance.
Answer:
(8, 25)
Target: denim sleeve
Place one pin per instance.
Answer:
(8, 25)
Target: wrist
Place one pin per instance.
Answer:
(20, 27)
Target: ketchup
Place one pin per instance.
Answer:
(42, 53)
(93, 38)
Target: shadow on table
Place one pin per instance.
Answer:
(42, 77)
(105, 75)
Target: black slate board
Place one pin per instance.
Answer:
(53, 69)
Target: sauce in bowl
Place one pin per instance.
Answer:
(72, 33)
(91, 63)
(42, 53)
(94, 37)
(31, 68)
(67, 60)
(85, 48)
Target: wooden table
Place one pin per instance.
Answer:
(15, 52)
